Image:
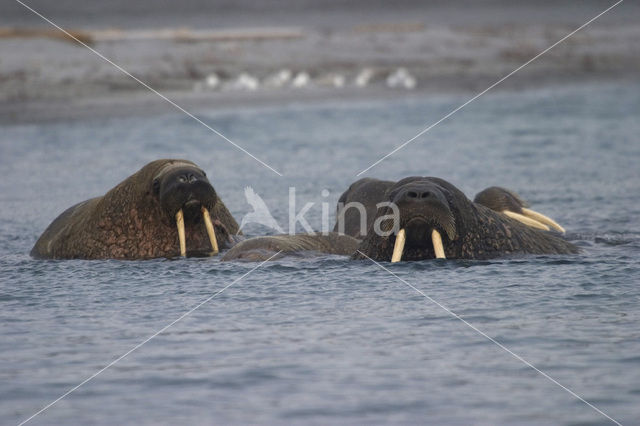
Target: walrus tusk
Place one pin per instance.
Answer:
(180, 225)
(210, 230)
(436, 239)
(398, 247)
(526, 220)
(542, 219)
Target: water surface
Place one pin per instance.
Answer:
(329, 340)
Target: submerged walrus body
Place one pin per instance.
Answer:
(166, 209)
(276, 246)
(421, 218)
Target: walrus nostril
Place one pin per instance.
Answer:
(419, 195)
(187, 178)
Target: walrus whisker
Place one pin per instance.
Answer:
(210, 231)
(526, 220)
(398, 247)
(438, 248)
(542, 219)
(180, 225)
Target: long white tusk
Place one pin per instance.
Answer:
(436, 239)
(542, 218)
(210, 231)
(180, 224)
(526, 220)
(398, 247)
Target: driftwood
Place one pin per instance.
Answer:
(83, 36)
(179, 34)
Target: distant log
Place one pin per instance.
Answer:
(83, 36)
(174, 34)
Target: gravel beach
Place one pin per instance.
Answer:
(228, 54)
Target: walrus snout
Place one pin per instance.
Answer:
(186, 196)
(424, 215)
(419, 192)
(185, 188)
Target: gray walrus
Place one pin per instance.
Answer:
(434, 220)
(167, 208)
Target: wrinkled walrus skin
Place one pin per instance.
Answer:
(137, 218)
(468, 230)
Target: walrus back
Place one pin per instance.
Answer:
(52, 242)
(521, 238)
(263, 248)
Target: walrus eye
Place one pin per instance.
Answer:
(156, 186)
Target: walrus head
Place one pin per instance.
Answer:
(510, 204)
(186, 196)
(426, 222)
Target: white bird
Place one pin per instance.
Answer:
(260, 214)
(364, 77)
(278, 79)
(212, 81)
(245, 81)
(401, 78)
(302, 79)
(335, 80)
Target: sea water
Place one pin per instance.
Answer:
(330, 340)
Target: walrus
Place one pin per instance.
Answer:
(277, 246)
(436, 220)
(166, 209)
(432, 219)
(360, 200)
(509, 203)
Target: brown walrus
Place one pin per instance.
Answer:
(167, 208)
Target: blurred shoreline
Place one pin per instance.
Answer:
(379, 54)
